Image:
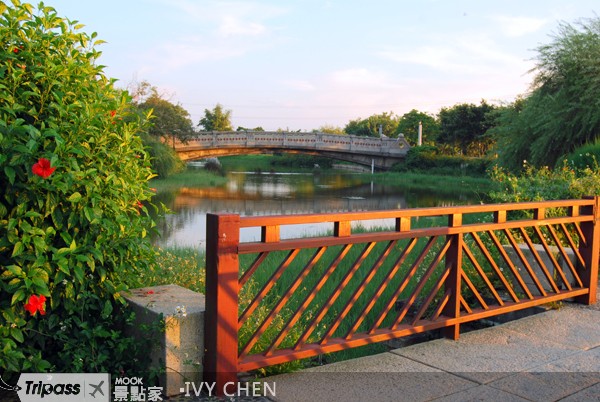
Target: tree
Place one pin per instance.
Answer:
(327, 129)
(358, 127)
(562, 112)
(169, 121)
(465, 125)
(216, 119)
(240, 128)
(370, 126)
(408, 125)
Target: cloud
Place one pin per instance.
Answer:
(358, 77)
(230, 18)
(217, 30)
(170, 55)
(232, 26)
(437, 57)
(515, 27)
(457, 55)
(299, 85)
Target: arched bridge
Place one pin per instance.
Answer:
(381, 153)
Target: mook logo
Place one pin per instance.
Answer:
(34, 387)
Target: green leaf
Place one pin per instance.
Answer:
(15, 269)
(63, 265)
(75, 197)
(39, 243)
(78, 271)
(39, 282)
(10, 173)
(17, 334)
(108, 308)
(17, 297)
(18, 249)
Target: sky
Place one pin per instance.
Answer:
(304, 64)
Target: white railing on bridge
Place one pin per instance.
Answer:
(320, 141)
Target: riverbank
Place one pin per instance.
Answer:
(198, 177)
(479, 185)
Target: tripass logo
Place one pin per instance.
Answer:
(34, 387)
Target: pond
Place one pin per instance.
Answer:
(257, 194)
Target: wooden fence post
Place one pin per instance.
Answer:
(222, 286)
(453, 282)
(590, 252)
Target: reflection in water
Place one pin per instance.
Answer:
(258, 194)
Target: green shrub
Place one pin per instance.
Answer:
(73, 224)
(301, 161)
(164, 160)
(427, 159)
(585, 157)
(541, 184)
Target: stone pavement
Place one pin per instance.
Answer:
(551, 356)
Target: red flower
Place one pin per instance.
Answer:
(42, 168)
(113, 113)
(139, 206)
(150, 292)
(36, 303)
(16, 50)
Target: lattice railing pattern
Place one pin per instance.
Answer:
(279, 300)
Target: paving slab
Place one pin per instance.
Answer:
(488, 354)
(572, 326)
(545, 386)
(588, 394)
(382, 377)
(481, 393)
(586, 361)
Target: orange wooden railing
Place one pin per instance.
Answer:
(297, 298)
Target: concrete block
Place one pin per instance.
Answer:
(181, 347)
(547, 263)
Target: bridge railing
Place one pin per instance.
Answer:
(277, 300)
(320, 141)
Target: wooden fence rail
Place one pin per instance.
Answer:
(277, 300)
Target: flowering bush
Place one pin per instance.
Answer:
(539, 184)
(73, 222)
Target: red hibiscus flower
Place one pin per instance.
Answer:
(42, 168)
(139, 206)
(36, 303)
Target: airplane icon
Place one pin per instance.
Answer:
(4, 386)
(96, 389)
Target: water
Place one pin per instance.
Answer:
(257, 194)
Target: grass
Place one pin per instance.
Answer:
(191, 177)
(179, 266)
(432, 182)
(269, 163)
